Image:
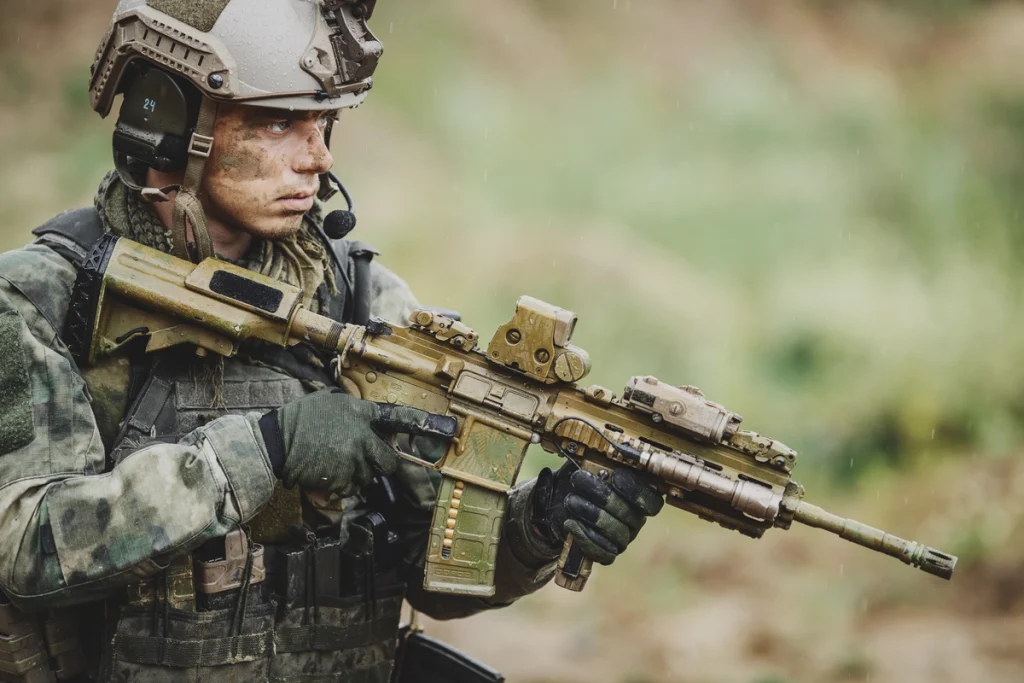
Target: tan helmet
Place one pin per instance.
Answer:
(288, 54)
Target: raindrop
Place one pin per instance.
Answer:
(485, 175)
(933, 433)
(842, 570)
(391, 27)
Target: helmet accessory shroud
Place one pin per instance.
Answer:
(307, 55)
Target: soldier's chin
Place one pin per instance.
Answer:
(275, 227)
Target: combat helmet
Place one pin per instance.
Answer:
(175, 60)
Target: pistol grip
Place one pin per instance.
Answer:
(573, 567)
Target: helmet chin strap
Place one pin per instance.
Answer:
(188, 210)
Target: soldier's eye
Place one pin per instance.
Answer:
(279, 126)
(326, 120)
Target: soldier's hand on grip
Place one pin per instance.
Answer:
(603, 516)
(330, 441)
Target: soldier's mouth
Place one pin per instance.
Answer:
(299, 201)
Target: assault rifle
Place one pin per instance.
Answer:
(522, 390)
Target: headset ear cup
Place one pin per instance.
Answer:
(157, 118)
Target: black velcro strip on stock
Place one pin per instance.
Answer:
(246, 291)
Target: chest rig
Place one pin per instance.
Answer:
(309, 591)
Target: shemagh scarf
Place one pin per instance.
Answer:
(300, 260)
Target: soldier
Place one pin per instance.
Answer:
(171, 517)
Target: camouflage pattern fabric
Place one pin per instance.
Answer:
(73, 532)
(68, 536)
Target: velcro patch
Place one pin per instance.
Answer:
(16, 429)
(199, 15)
(255, 294)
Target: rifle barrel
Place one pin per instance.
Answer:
(926, 559)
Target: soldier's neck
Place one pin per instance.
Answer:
(228, 242)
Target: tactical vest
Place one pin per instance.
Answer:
(313, 595)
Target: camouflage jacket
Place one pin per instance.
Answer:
(73, 530)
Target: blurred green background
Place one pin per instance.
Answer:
(811, 210)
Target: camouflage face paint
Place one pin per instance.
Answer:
(264, 170)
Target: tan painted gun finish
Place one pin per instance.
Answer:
(520, 391)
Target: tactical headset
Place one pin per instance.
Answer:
(156, 122)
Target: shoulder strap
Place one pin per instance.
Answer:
(72, 233)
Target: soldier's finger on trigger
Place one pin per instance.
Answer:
(413, 421)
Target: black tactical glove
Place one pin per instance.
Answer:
(603, 516)
(330, 441)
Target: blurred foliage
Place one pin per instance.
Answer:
(811, 210)
(939, 10)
